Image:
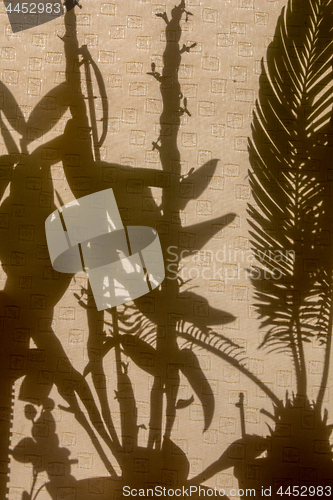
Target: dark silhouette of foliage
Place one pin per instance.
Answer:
(290, 155)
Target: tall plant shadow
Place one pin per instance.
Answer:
(291, 229)
(164, 360)
(28, 307)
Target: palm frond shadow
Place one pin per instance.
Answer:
(290, 154)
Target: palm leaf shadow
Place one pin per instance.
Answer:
(290, 154)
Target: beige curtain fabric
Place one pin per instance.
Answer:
(155, 391)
